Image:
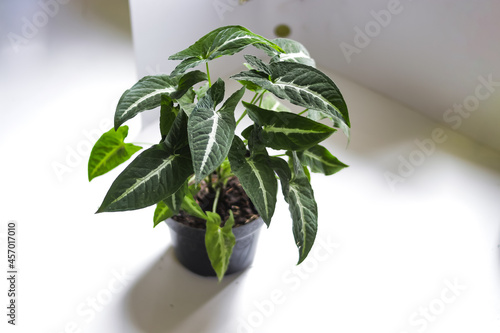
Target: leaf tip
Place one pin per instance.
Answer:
(101, 209)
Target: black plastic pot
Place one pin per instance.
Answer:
(189, 247)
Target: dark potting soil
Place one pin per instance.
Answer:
(231, 197)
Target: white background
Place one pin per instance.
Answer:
(383, 254)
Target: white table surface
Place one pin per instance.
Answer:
(420, 257)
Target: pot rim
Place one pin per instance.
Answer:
(240, 231)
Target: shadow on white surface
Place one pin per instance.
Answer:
(167, 296)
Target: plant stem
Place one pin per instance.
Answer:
(216, 200)
(303, 111)
(261, 98)
(254, 97)
(279, 155)
(208, 75)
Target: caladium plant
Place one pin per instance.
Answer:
(199, 142)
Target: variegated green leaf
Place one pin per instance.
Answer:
(257, 64)
(304, 212)
(219, 242)
(146, 94)
(294, 52)
(286, 130)
(153, 176)
(256, 177)
(304, 86)
(110, 151)
(320, 160)
(211, 131)
(226, 40)
(299, 195)
(282, 169)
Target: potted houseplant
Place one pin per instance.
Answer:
(214, 186)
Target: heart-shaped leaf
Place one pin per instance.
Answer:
(286, 130)
(219, 242)
(110, 151)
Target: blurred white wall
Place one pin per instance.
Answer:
(428, 55)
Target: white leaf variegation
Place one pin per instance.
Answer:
(294, 52)
(198, 142)
(210, 132)
(256, 177)
(147, 93)
(144, 95)
(222, 41)
(304, 86)
(304, 212)
(299, 195)
(153, 176)
(219, 242)
(320, 160)
(287, 130)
